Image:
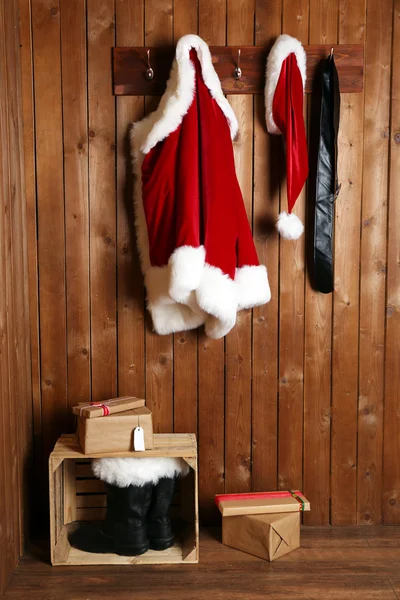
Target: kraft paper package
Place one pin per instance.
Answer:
(116, 432)
(264, 524)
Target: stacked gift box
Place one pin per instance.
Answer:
(128, 426)
(265, 524)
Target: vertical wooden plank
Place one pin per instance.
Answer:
(9, 494)
(346, 295)
(291, 315)
(391, 474)
(22, 401)
(373, 261)
(131, 349)
(323, 21)
(15, 402)
(101, 26)
(159, 348)
(265, 318)
(32, 406)
(26, 54)
(50, 199)
(318, 328)
(185, 18)
(212, 21)
(212, 28)
(240, 30)
(185, 343)
(74, 90)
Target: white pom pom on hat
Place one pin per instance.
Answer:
(289, 226)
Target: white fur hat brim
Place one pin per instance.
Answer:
(283, 47)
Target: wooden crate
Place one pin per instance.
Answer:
(75, 495)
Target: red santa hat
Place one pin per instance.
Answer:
(195, 243)
(284, 91)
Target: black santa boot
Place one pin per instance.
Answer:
(159, 527)
(124, 529)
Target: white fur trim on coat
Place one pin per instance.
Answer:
(186, 269)
(289, 226)
(217, 296)
(123, 472)
(252, 286)
(178, 96)
(284, 45)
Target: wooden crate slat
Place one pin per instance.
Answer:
(84, 486)
(129, 67)
(91, 501)
(165, 444)
(96, 513)
(83, 470)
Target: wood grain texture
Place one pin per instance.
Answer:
(101, 105)
(391, 473)
(185, 17)
(185, 378)
(211, 367)
(129, 64)
(76, 187)
(50, 202)
(21, 406)
(348, 563)
(265, 318)
(291, 311)
(10, 531)
(238, 352)
(318, 322)
(15, 380)
(159, 349)
(373, 262)
(130, 292)
(186, 342)
(345, 358)
(29, 178)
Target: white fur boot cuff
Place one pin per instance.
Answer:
(123, 472)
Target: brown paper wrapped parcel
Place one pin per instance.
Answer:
(115, 432)
(265, 524)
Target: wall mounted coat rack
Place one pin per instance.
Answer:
(131, 64)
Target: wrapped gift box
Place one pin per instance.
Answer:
(267, 536)
(265, 524)
(115, 432)
(107, 407)
(261, 503)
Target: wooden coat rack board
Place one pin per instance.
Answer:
(130, 64)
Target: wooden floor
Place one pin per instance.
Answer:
(333, 563)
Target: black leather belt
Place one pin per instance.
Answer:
(327, 187)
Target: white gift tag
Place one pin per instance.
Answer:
(138, 439)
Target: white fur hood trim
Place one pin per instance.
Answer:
(123, 472)
(284, 45)
(178, 96)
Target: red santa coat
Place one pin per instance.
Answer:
(196, 248)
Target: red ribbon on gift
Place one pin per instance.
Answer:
(104, 407)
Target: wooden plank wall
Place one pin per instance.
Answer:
(304, 391)
(15, 381)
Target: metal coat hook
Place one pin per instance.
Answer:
(238, 70)
(149, 70)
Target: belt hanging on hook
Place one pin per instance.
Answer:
(326, 179)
